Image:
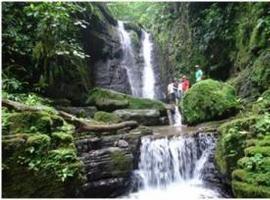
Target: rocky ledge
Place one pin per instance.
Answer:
(109, 159)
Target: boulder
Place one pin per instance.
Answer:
(142, 116)
(208, 100)
(109, 100)
(121, 144)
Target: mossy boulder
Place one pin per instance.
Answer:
(107, 117)
(208, 100)
(109, 100)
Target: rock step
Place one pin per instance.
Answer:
(147, 117)
(126, 139)
(106, 188)
(87, 144)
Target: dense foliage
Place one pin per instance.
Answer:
(42, 44)
(38, 151)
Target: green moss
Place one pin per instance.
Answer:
(62, 137)
(63, 154)
(106, 117)
(260, 75)
(262, 105)
(239, 124)
(251, 151)
(251, 177)
(109, 100)
(29, 184)
(35, 162)
(121, 162)
(208, 100)
(242, 190)
(39, 140)
(33, 122)
(255, 163)
(232, 142)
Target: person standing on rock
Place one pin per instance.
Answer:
(173, 92)
(185, 84)
(198, 73)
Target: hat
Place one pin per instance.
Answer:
(197, 66)
(184, 77)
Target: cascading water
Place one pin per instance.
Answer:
(129, 61)
(172, 167)
(177, 117)
(148, 73)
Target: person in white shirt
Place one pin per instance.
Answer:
(173, 92)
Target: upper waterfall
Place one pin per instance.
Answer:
(128, 60)
(148, 72)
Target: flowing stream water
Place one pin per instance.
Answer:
(169, 166)
(174, 167)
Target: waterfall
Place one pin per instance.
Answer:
(148, 73)
(142, 82)
(177, 117)
(172, 167)
(129, 61)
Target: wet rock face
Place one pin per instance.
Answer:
(102, 43)
(109, 161)
(210, 173)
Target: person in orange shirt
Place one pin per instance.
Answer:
(185, 84)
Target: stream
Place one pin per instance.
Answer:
(173, 165)
(170, 163)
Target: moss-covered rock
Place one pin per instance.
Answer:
(260, 74)
(40, 121)
(109, 100)
(106, 117)
(245, 190)
(148, 117)
(39, 156)
(208, 100)
(121, 162)
(242, 154)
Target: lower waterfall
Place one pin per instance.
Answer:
(174, 167)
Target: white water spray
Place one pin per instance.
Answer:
(148, 74)
(177, 117)
(172, 167)
(128, 59)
